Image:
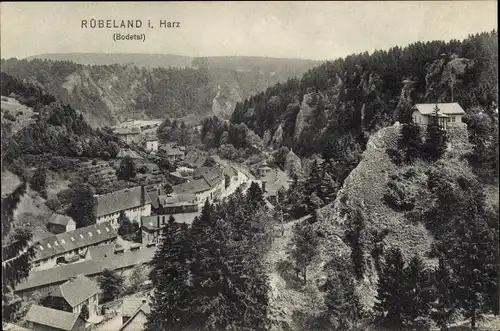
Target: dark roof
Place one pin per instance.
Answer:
(120, 200)
(192, 187)
(60, 219)
(153, 195)
(51, 317)
(76, 290)
(211, 175)
(172, 150)
(68, 241)
(230, 171)
(444, 108)
(125, 131)
(150, 223)
(88, 268)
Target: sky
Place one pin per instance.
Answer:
(307, 30)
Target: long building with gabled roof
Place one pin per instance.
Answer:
(135, 202)
(66, 246)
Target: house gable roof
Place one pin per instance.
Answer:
(87, 268)
(51, 317)
(120, 200)
(192, 187)
(60, 219)
(144, 309)
(211, 175)
(76, 290)
(444, 108)
(71, 240)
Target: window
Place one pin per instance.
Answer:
(48, 245)
(107, 230)
(90, 234)
(98, 231)
(81, 235)
(72, 239)
(453, 119)
(56, 243)
(41, 247)
(63, 241)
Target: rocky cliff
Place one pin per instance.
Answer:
(110, 92)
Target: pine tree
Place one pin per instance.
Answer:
(435, 142)
(38, 182)
(111, 285)
(341, 300)
(127, 170)
(444, 307)
(418, 292)
(16, 265)
(170, 278)
(255, 196)
(410, 142)
(82, 206)
(354, 236)
(390, 292)
(306, 244)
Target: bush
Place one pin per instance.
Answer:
(94, 162)
(404, 189)
(395, 155)
(143, 169)
(54, 204)
(9, 116)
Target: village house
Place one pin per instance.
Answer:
(173, 152)
(128, 135)
(72, 295)
(272, 182)
(134, 314)
(134, 202)
(69, 246)
(60, 223)
(449, 114)
(41, 318)
(234, 178)
(178, 203)
(150, 143)
(102, 257)
(153, 226)
(207, 183)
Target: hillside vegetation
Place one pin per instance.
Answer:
(357, 95)
(151, 86)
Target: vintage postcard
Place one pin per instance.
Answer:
(281, 166)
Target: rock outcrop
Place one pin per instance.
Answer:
(304, 113)
(293, 165)
(224, 102)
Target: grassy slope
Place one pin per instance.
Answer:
(365, 186)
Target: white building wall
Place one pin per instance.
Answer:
(134, 214)
(152, 145)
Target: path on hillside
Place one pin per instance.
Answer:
(284, 300)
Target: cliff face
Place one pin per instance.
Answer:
(108, 94)
(224, 102)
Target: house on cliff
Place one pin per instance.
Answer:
(449, 114)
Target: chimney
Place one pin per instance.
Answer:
(143, 196)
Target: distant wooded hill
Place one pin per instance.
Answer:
(109, 88)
